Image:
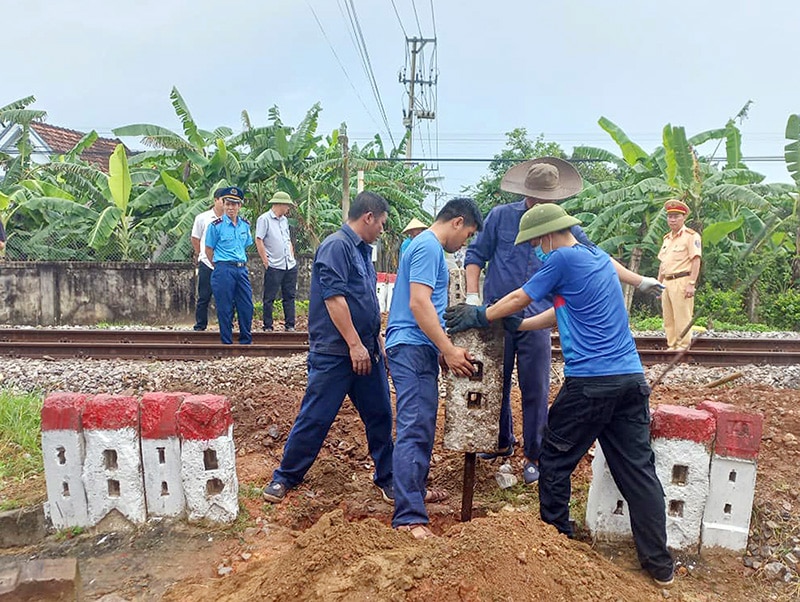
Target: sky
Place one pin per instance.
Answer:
(553, 68)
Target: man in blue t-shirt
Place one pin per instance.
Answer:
(345, 354)
(604, 396)
(416, 344)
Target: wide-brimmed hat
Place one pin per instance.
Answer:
(542, 219)
(414, 224)
(546, 178)
(281, 198)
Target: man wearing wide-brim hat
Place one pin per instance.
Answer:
(274, 244)
(541, 180)
(411, 230)
(605, 395)
(680, 255)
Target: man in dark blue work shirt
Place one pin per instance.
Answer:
(227, 238)
(346, 355)
(542, 180)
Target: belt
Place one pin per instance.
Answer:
(241, 264)
(676, 276)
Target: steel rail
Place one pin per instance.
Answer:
(52, 343)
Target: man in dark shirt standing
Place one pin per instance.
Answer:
(346, 355)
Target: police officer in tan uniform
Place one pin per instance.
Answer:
(680, 266)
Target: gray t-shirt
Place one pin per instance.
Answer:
(274, 231)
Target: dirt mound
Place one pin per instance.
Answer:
(509, 556)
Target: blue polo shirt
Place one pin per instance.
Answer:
(343, 266)
(424, 263)
(229, 241)
(510, 265)
(592, 322)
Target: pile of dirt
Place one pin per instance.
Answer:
(510, 556)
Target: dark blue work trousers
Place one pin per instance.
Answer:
(532, 352)
(203, 296)
(330, 378)
(415, 372)
(230, 284)
(614, 410)
(285, 281)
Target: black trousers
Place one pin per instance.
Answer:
(203, 296)
(614, 410)
(285, 281)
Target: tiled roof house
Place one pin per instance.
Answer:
(49, 140)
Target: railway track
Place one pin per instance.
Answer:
(189, 345)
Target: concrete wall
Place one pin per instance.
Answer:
(62, 293)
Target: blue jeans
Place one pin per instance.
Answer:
(203, 296)
(614, 410)
(532, 351)
(330, 378)
(415, 372)
(231, 287)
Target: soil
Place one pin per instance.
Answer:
(330, 539)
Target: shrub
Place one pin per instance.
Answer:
(720, 306)
(782, 310)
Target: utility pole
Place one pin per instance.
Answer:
(345, 171)
(416, 45)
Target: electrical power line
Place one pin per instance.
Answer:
(347, 76)
(399, 20)
(416, 17)
(356, 25)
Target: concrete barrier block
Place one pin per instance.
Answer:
(47, 579)
(112, 472)
(472, 406)
(381, 289)
(208, 458)
(726, 521)
(161, 454)
(678, 422)
(390, 280)
(63, 452)
(738, 433)
(22, 526)
(682, 466)
(607, 514)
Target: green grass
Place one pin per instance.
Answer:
(20, 435)
(656, 323)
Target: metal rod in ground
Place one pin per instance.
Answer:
(469, 487)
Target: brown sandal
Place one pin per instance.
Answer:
(419, 531)
(435, 496)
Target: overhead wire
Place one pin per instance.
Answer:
(368, 65)
(416, 17)
(399, 20)
(341, 65)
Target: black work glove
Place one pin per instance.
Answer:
(512, 323)
(462, 317)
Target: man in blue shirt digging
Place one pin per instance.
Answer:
(604, 397)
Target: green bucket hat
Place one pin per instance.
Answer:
(543, 219)
(281, 198)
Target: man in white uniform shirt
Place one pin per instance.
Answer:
(274, 244)
(204, 266)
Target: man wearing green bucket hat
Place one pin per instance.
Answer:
(604, 397)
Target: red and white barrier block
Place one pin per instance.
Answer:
(161, 453)
(112, 469)
(607, 514)
(682, 439)
(63, 452)
(732, 483)
(208, 458)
